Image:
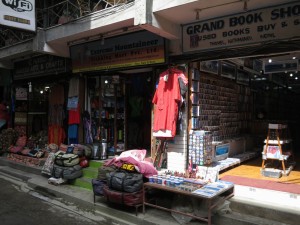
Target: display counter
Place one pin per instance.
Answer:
(210, 192)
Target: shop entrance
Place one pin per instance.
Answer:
(267, 93)
(139, 101)
(121, 105)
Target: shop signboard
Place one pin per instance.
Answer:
(132, 50)
(40, 66)
(18, 14)
(275, 23)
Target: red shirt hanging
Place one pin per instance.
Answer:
(166, 98)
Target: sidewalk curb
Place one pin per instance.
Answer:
(80, 197)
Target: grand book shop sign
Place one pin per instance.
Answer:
(263, 25)
(41, 66)
(137, 49)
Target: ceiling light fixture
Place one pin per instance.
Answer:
(296, 78)
(294, 57)
(270, 60)
(291, 75)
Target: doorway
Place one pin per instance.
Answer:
(139, 93)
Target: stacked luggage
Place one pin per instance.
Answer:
(66, 166)
(66, 163)
(120, 186)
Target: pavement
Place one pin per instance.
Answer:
(248, 206)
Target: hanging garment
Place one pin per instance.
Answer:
(56, 115)
(166, 98)
(87, 127)
(57, 95)
(56, 134)
(72, 102)
(74, 87)
(73, 134)
(74, 116)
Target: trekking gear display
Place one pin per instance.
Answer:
(124, 181)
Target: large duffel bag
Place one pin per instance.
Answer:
(119, 197)
(66, 159)
(124, 181)
(69, 173)
(103, 170)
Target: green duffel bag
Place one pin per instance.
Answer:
(66, 159)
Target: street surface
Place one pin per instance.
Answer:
(21, 206)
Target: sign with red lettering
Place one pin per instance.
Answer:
(137, 49)
(280, 22)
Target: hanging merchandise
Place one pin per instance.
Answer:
(72, 102)
(167, 99)
(73, 87)
(74, 116)
(73, 99)
(56, 134)
(87, 127)
(73, 110)
(73, 134)
(200, 149)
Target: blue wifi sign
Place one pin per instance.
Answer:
(18, 5)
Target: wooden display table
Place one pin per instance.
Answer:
(225, 193)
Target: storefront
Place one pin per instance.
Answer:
(120, 75)
(38, 102)
(234, 97)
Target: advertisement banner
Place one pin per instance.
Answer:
(137, 49)
(18, 13)
(263, 25)
(40, 66)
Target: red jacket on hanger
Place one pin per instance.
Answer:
(166, 98)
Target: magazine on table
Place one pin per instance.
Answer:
(212, 189)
